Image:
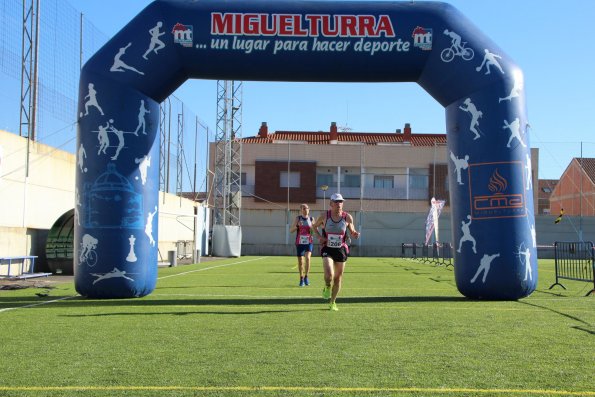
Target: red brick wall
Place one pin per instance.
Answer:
(268, 176)
(568, 194)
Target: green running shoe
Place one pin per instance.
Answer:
(326, 293)
(333, 307)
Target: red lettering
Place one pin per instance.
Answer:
(314, 21)
(285, 26)
(264, 28)
(348, 25)
(385, 26)
(367, 25)
(297, 26)
(251, 24)
(221, 24)
(327, 30)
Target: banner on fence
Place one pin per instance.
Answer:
(432, 219)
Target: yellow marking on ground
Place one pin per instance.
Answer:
(445, 390)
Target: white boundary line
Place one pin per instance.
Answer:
(212, 267)
(159, 278)
(37, 304)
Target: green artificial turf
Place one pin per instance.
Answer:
(243, 327)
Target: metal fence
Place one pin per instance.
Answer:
(574, 261)
(438, 253)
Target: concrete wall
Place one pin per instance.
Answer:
(265, 232)
(29, 205)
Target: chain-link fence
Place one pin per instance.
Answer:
(67, 39)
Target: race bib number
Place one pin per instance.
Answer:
(304, 239)
(334, 241)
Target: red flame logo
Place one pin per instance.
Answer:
(497, 183)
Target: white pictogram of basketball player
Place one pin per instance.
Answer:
(143, 164)
(525, 258)
(515, 131)
(489, 59)
(92, 95)
(142, 111)
(484, 266)
(466, 229)
(528, 168)
(475, 116)
(149, 226)
(460, 164)
(119, 65)
(156, 44)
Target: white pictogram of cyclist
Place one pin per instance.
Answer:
(88, 254)
(457, 48)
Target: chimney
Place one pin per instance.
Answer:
(263, 131)
(398, 131)
(334, 133)
(407, 133)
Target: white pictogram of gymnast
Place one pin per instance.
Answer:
(149, 226)
(525, 258)
(515, 131)
(116, 273)
(484, 266)
(92, 95)
(489, 59)
(466, 229)
(156, 44)
(475, 116)
(460, 164)
(119, 65)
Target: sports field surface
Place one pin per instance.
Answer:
(243, 327)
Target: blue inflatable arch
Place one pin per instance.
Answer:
(430, 43)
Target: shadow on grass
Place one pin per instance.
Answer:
(574, 318)
(210, 301)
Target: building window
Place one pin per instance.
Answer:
(384, 182)
(243, 178)
(324, 179)
(419, 180)
(291, 179)
(352, 181)
(546, 189)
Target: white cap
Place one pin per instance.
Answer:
(337, 197)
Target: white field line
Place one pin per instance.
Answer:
(211, 267)
(160, 278)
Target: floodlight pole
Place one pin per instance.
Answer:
(324, 189)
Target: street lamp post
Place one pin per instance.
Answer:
(324, 189)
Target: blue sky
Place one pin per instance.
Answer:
(551, 41)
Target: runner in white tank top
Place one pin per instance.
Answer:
(334, 251)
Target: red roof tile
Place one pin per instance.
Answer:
(369, 138)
